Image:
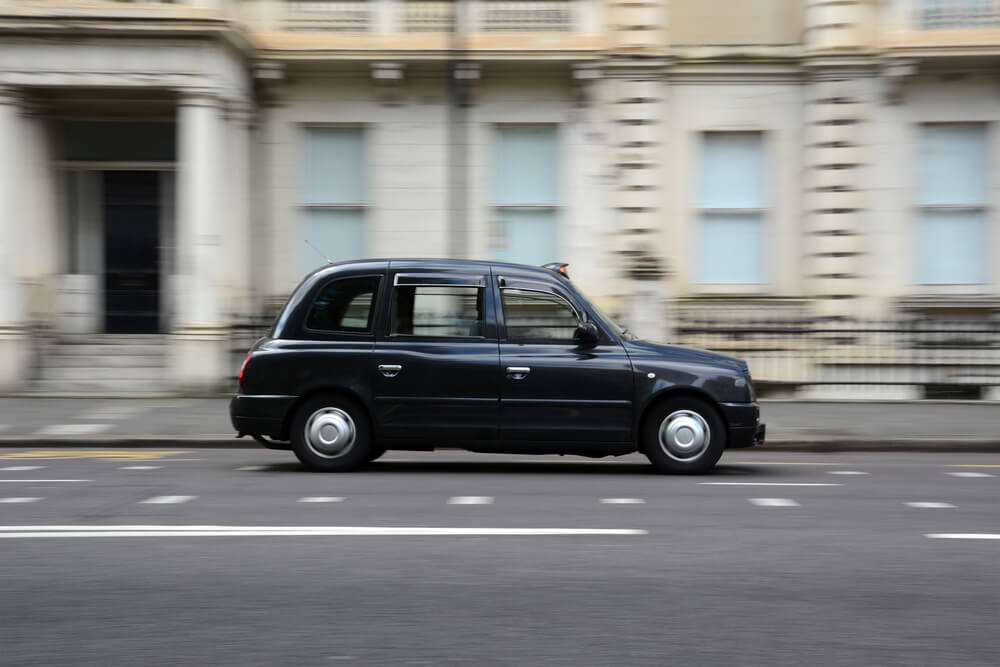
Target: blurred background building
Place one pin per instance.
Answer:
(810, 184)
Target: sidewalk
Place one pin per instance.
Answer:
(791, 425)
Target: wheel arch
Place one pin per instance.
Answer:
(671, 393)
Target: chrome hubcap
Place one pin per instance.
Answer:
(330, 432)
(684, 435)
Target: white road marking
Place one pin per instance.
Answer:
(167, 500)
(623, 501)
(20, 500)
(40, 481)
(294, 531)
(773, 502)
(846, 472)
(470, 500)
(322, 499)
(140, 467)
(251, 468)
(929, 505)
(72, 429)
(963, 536)
(22, 468)
(769, 483)
(970, 474)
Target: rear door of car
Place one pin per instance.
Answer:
(436, 361)
(551, 388)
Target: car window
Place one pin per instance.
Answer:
(345, 305)
(438, 310)
(537, 317)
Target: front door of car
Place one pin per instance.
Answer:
(436, 364)
(552, 388)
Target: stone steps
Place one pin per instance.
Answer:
(103, 363)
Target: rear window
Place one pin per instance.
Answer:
(346, 305)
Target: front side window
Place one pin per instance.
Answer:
(438, 311)
(538, 317)
(345, 305)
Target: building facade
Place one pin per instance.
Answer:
(170, 170)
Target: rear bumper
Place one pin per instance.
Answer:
(745, 428)
(260, 415)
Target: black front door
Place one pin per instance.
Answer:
(131, 252)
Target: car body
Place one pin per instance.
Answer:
(490, 357)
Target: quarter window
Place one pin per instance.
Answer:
(538, 317)
(438, 311)
(345, 305)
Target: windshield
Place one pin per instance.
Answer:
(614, 326)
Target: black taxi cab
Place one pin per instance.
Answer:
(373, 355)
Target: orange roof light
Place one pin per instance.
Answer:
(559, 268)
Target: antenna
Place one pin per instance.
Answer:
(319, 252)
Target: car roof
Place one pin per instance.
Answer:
(427, 264)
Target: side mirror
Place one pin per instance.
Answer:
(587, 334)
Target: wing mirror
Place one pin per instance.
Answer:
(587, 334)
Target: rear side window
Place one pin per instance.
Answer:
(345, 305)
(537, 317)
(438, 310)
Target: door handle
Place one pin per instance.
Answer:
(389, 370)
(517, 372)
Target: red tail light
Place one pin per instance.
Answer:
(243, 369)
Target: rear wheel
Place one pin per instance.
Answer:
(331, 434)
(683, 435)
(375, 452)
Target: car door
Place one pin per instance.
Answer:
(436, 362)
(551, 388)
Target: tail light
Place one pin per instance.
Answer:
(243, 370)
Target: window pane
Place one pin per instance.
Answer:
(525, 166)
(534, 316)
(525, 236)
(438, 311)
(951, 248)
(336, 234)
(731, 173)
(333, 166)
(952, 164)
(344, 305)
(730, 249)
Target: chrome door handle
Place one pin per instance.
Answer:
(517, 372)
(389, 370)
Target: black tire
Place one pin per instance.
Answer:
(375, 452)
(336, 416)
(693, 436)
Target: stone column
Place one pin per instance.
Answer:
(13, 339)
(239, 229)
(198, 360)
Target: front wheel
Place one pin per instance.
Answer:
(331, 434)
(683, 435)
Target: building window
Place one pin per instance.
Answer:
(956, 14)
(951, 197)
(525, 194)
(332, 196)
(732, 204)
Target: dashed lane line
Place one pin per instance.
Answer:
(970, 474)
(769, 484)
(21, 499)
(140, 467)
(322, 499)
(773, 502)
(167, 500)
(21, 468)
(623, 501)
(846, 472)
(251, 468)
(927, 505)
(963, 536)
(296, 531)
(40, 481)
(470, 500)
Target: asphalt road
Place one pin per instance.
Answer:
(243, 558)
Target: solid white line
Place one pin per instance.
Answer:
(22, 468)
(970, 474)
(623, 501)
(470, 500)
(167, 500)
(769, 483)
(20, 500)
(140, 467)
(846, 472)
(929, 505)
(963, 536)
(293, 531)
(72, 429)
(321, 499)
(773, 502)
(41, 481)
